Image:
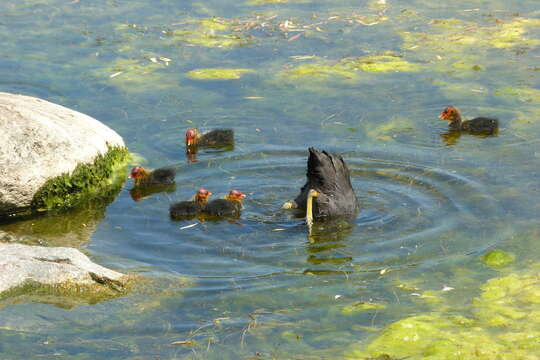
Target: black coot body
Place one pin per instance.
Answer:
(190, 208)
(217, 137)
(223, 207)
(481, 126)
(184, 209)
(231, 205)
(162, 176)
(328, 174)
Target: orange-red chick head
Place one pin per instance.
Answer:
(192, 136)
(203, 195)
(450, 113)
(236, 195)
(137, 172)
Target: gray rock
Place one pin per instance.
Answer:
(21, 265)
(40, 141)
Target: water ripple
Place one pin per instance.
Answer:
(410, 214)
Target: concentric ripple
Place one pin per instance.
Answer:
(411, 214)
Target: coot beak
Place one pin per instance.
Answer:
(309, 209)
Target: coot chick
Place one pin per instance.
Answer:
(328, 191)
(191, 207)
(231, 205)
(476, 126)
(161, 176)
(212, 138)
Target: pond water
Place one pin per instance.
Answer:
(364, 79)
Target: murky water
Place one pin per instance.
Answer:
(258, 287)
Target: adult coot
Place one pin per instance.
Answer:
(328, 191)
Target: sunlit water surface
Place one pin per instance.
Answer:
(257, 286)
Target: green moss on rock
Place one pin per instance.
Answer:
(70, 294)
(67, 189)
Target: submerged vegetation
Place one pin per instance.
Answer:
(504, 324)
(217, 74)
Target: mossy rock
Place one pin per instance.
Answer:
(69, 294)
(67, 190)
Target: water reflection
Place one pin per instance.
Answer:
(139, 193)
(193, 150)
(70, 227)
(450, 137)
(328, 246)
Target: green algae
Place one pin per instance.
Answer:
(388, 130)
(69, 294)
(461, 91)
(136, 75)
(217, 73)
(504, 324)
(385, 63)
(67, 190)
(319, 70)
(350, 68)
(212, 32)
(524, 94)
(263, 2)
(524, 121)
(454, 36)
(360, 306)
(497, 258)
(511, 302)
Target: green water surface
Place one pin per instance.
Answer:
(441, 262)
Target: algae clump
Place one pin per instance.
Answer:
(70, 294)
(525, 94)
(497, 258)
(385, 63)
(134, 75)
(211, 32)
(69, 188)
(453, 36)
(504, 324)
(361, 306)
(351, 67)
(217, 73)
